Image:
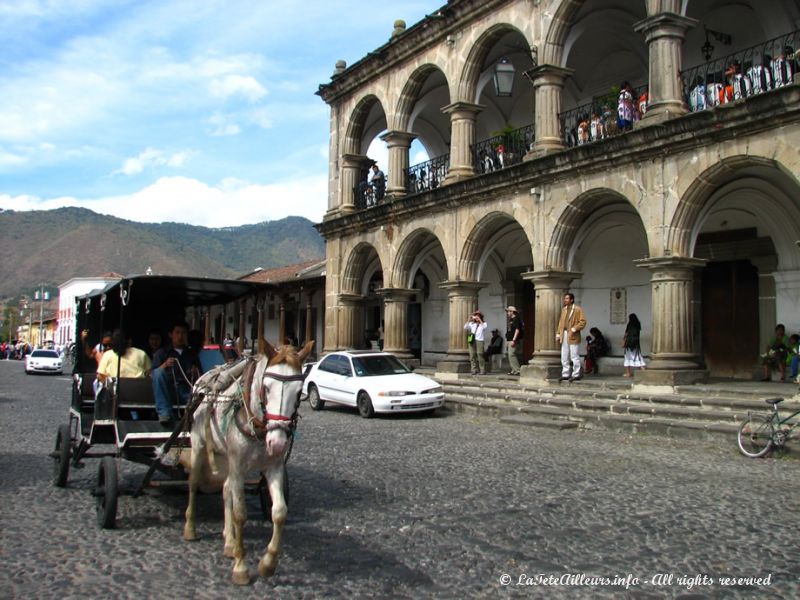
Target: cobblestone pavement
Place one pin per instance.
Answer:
(413, 507)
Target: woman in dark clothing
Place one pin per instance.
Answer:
(633, 351)
(596, 346)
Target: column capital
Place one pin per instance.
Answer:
(665, 24)
(462, 288)
(394, 138)
(355, 160)
(548, 75)
(551, 279)
(666, 265)
(349, 299)
(463, 110)
(396, 294)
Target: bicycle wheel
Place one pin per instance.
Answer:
(755, 436)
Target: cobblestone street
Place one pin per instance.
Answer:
(449, 506)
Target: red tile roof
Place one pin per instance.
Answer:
(279, 274)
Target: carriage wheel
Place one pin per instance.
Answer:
(264, 498)
(106, 492)
(61, 456)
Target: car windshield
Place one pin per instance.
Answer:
(380, 364)
(44, 354)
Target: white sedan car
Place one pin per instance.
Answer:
(372, 382)
(43, 361)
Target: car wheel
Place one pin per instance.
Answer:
(365, 408)
(314, 401)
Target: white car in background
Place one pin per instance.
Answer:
(44, 361)
(373, 382)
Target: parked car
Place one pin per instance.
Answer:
(373, 382)
(43, 361)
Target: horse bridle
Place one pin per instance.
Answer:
(273, 421)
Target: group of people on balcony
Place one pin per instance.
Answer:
(739, 83)
(605, 122)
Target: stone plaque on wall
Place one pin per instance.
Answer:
(619, 306)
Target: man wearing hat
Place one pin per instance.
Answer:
(476, 334)
(514, 335)
(568, 335)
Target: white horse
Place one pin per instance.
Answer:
(243, 424)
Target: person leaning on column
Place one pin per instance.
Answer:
(514, 334)
(570, 323)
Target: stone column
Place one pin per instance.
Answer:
(242, 325)
(395, 318)
(463, 299)
(281, 321)
(550, 287)
(352, 166)
(462, 138)
(664, 34)
(548, 85)
(351, 323)
(674, 359)
(260, 304)
(207, 323)
(398, 143)
(309, 333)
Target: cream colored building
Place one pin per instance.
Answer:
(688, 219)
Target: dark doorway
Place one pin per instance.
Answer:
(730, 318)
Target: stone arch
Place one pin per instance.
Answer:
(780, 212)
(411, 91)
(414, 249)
(356, 126)
(358, 262)
(484, 238)
(468, 82)
(559, 30)
(560, 252)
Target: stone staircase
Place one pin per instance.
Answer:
(706, 411)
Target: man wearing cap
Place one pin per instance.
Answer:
(568, 334)
(476, 332)
(514, 335)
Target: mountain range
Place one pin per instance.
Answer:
(53, 246)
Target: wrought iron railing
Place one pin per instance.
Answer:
(739, 75)
(502, 150)
(365, 195)
(600, 119)
(427, 175)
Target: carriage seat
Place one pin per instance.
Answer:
(135, 400)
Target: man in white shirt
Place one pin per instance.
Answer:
(476, 334)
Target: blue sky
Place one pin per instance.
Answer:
(195, 111)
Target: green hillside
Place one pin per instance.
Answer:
(56, 245)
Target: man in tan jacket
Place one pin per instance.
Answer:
(568, 334)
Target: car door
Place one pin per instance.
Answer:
(329, 378)
(349, 383)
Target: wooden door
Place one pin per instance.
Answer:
(730, 318)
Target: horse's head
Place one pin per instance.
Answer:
(281, 383)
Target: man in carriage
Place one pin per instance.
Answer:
(175, 368)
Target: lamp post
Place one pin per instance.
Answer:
(41, 295)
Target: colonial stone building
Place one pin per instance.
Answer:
(676, 198)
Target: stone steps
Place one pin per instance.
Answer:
(691, 411)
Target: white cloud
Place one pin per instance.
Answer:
(233, 85)
(185, 200)
(152, 158)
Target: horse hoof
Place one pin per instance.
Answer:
(228, 552)
(265, 569)
(241, 577)
(190, 536)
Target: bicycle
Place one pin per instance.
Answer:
(760, 433)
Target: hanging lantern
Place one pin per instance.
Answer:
(504, 77)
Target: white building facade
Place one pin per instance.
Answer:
(67, 293)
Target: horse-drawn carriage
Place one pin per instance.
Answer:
(240, 418)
